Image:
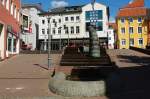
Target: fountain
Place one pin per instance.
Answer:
(82, 73)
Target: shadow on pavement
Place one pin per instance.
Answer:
(135, 59)
(129, 83)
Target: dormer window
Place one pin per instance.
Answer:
(139, 20)
(122, 20)
(130, 20)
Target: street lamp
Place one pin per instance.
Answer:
(49, 41)
(60, 38)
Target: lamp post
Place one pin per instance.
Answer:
(49, 42)
(60, 38)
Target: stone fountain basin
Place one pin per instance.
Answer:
(59, 85)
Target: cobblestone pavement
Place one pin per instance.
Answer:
(128, 58)
(27, 75)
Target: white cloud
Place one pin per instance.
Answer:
(58, 3)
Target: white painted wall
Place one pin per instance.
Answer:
(97, 6)
(2, 44)
(81, 23)
(111, 38)
(30, 38)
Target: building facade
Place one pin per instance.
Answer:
(30, 25)
(133, 25)
(70, 24)
(9, 27)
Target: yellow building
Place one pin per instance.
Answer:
(132, 25)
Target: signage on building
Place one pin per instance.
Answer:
(1, 27)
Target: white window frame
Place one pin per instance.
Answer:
(138, 29)
(15, 11)
(130, 41)
(7, 4)
(72, 17)
(130, 20)
(130, 30)
(18, 15)
(43, 31)
(77, 29)
(123, 20)
(12, 8)
(124, 30)
(138, 20)
(3, 2)
(123, 40)
(77, 18)
(139, 40)
(72, 30)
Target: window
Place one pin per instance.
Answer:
(131, 20)
(54, 31)
(55, 24)
(7, 4)
(122, 20)
(3, 2)
(139, 20)
(131, 30)
(9, 40)
(72, 18)
(123, 42)
(77, 29)
(140, 41)
(48, 21)
(11, 8)
(59, 31)
(43, 21)
(139, 29)
(43, 31)
(66, 18)
(54, 21)
(15, 12)
(66, 30)
(123, 30)
(131, 42)
(77, 18)
(47, 31)
(72, 30)
(18, 15)
(59, 20)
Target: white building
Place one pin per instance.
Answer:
(111, 38)
(70, 24)
(30, 21)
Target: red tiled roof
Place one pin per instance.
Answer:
(136, 8)
(132, 12)
(135, 3)
(113, 25)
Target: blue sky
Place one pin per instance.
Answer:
(114, 5)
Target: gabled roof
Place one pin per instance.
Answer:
(37, 6)
(135, 3)
(60, 10)
(135, 8)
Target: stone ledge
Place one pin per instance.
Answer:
(59, 85)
